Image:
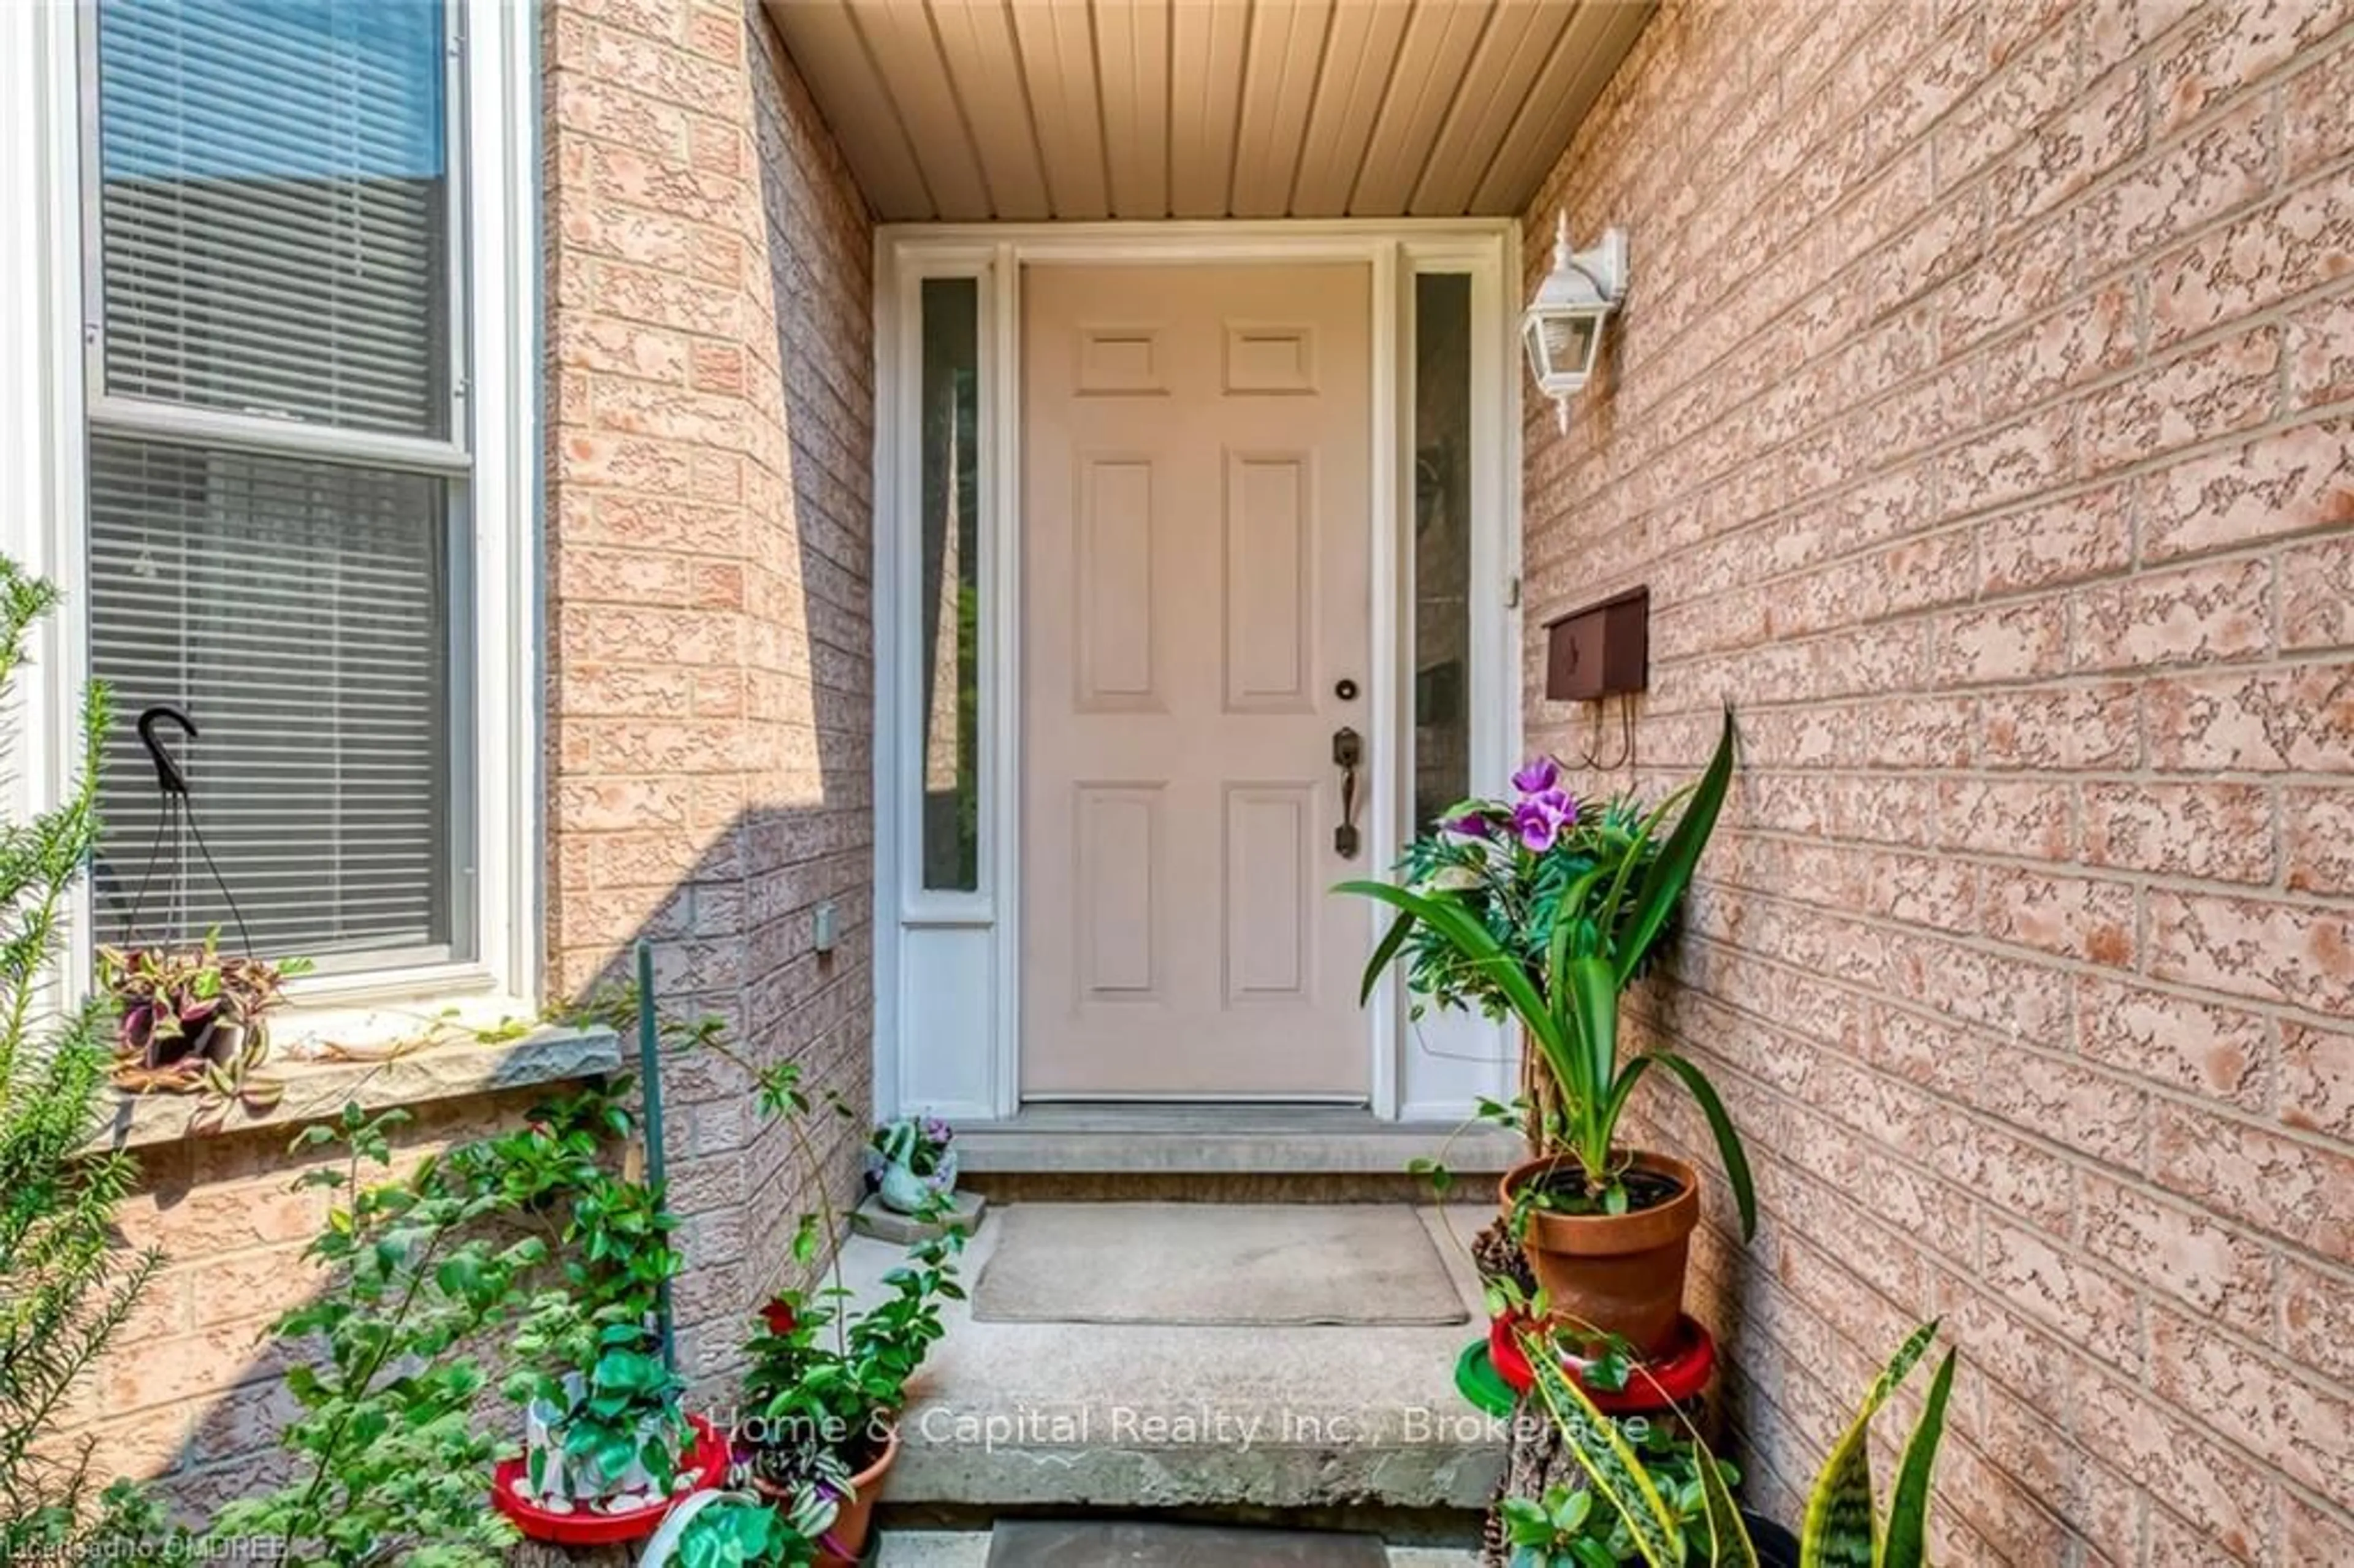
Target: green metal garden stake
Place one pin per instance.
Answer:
(650, 1078)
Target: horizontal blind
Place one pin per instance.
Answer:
(272, 209)
(297, 611)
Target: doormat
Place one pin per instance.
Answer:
(1199, 1264)
(1120, 1544)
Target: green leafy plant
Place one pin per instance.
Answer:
(739, 1530)
(393, 1467)
(1672, 1519)
(67, 1283)
(425, 1271)
(196, 1021)
(1530, 910)
(1565, 1529)
(596, 1375)
(826, 1383)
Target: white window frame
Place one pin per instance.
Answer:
(947, 971)
(48, 394)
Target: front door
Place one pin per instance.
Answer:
(1195, 531)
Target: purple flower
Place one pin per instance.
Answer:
(1560, 803)
(1537, 823)
(1469, 825)
(1538, 775)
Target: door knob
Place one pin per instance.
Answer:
(1348, 754)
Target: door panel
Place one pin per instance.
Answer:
(1195, 544)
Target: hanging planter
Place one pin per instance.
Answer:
(194, 1020)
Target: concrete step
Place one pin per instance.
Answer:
(1038, 1417)
(969, 1549)
(1226, 1139)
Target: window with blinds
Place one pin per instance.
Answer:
(278, 473)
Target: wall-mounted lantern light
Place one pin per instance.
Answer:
(1562, 325)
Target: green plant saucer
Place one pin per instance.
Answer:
(1477, 1381)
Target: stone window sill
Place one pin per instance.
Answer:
(316, 1090)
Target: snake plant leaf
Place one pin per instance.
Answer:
(1728, 1141)
(1727, 1542)
(1610, 1466)
(1840, 1528)
(1906, 1544)
(1673, 871)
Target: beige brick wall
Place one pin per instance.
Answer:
(709, 409)
(1982, 419)
(191, 1395)
(710, 404)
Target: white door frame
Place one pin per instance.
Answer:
(946, 965)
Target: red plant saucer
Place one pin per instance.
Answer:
(586, 1529)
(1657, 1384)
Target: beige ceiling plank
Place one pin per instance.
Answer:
(1597, 39)
(1206, 66)
(898, 35)
(1286, 54)
(1358, 54)
(1516, 47)
(984, 68)
(824, 44)
(1436, 49)
(1058, 57)
(1133, 65)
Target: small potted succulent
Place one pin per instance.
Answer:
(911, 1162)
(194, 1021)
(740, 1530)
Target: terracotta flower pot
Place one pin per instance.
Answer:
(844, 1545)
(1613, 1273)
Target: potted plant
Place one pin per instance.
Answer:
(910, 1161)
(826, 1379)
(194, 1021)
(1543, 909)
(739, 1530)
(606, 1433)
(1675, 1524)
(827, 1382)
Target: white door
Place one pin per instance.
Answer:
(1196, 530)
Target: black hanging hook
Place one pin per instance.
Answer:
(168, 776)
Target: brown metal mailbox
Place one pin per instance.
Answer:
(1601, 651)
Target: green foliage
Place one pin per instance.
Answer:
(67, 1283)
(739, 1530)
(1617, 1475)
(424, 1270)
(826, 1383)
(1676, 1514)
(1565, 1529)
(1550, 933)
(1841, 1525)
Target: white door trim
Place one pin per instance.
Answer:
(947, 968)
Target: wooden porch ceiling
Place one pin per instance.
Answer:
(974, 110)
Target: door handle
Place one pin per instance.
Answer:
(1348, 754)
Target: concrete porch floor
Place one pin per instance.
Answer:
(1079, 1418)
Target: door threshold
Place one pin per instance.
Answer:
(1071, 1137)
